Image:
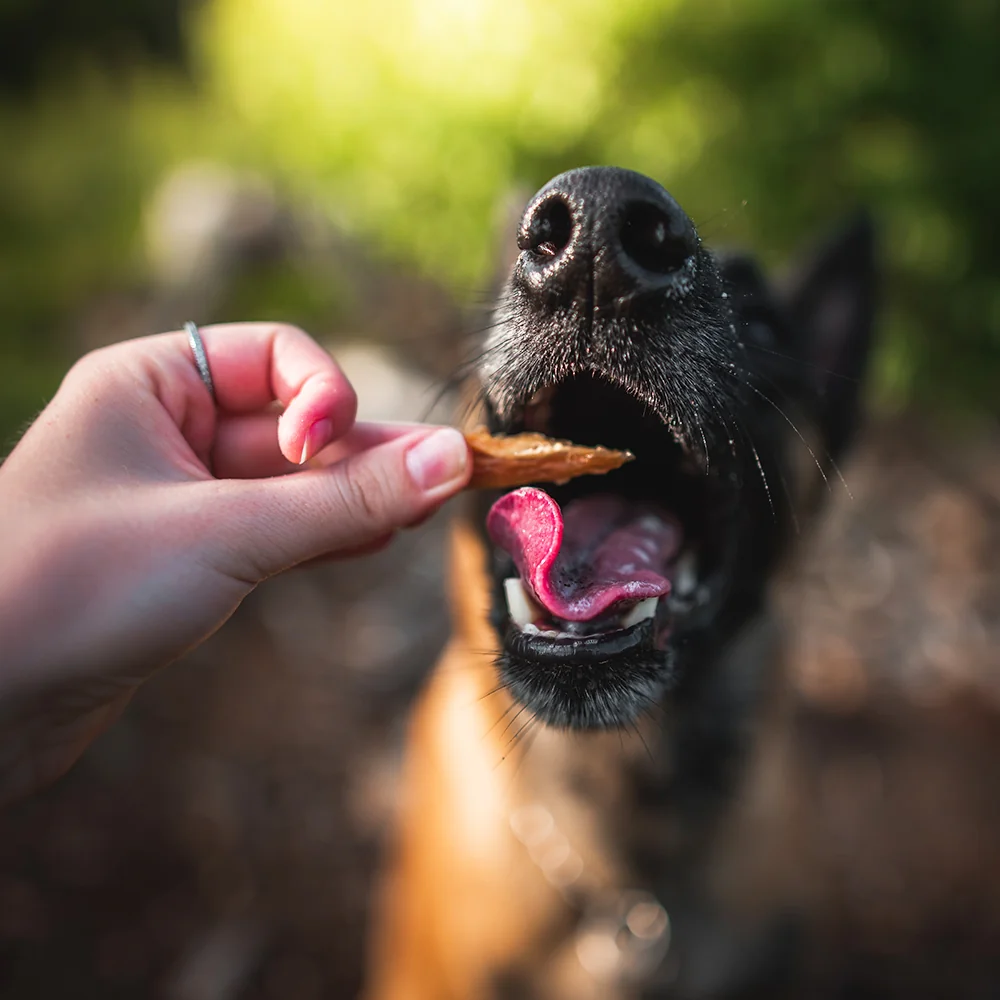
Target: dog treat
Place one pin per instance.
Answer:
(499, 462)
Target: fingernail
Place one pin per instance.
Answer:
(317, 437)
(437, 459)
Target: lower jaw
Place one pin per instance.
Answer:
(596, 682)
(580, 650)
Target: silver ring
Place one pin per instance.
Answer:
(200, 357)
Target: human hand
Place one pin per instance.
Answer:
(138, 513)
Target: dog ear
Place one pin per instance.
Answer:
(831, 305)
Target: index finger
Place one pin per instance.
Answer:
(256, 364)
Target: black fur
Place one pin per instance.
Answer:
(641, 338)
(590, 308)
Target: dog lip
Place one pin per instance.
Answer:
(586, 649)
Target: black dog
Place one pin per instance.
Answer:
(630, 601)
(618, 327)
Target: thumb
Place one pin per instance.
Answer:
(272, 524)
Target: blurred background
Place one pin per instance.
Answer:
(140, 136)
(352, 167)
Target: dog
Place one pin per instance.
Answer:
(574, 759)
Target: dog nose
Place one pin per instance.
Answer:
(608, 231)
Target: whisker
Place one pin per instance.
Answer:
(723, 214)
(492, 691)
(447, 386)
(465, 411)
(763, 479)
(704, 444)
(725, 426)
(516, 738)
(474, 333)
(791, 502)
(781, 479)
(784, 488)
(480, 297)
(512, 720)
(472, 663)
(532, 733)
(462, 371)
(515, 741)
(784, 416)
(802, 363)
(642, 739)
(747, 437)
(500, 718)
(826, 452)
(652, 704)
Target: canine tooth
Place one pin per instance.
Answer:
(686, 575)
(643, 610)
(520, 606)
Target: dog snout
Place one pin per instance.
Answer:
(605, 235)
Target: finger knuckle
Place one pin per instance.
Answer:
(282, 331)
(89, 366)
(364, 495)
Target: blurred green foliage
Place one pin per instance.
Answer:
(78, 162)
(412, 120)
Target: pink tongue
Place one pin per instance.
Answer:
(605, 551)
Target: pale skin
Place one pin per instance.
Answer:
(138, 513)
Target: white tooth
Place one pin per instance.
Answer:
(530, 630)
(643, 610)
(522, 609)
(686, 574)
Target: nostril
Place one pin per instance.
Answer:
(549, 229)
(654, 239)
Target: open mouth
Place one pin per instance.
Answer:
(597, 579)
